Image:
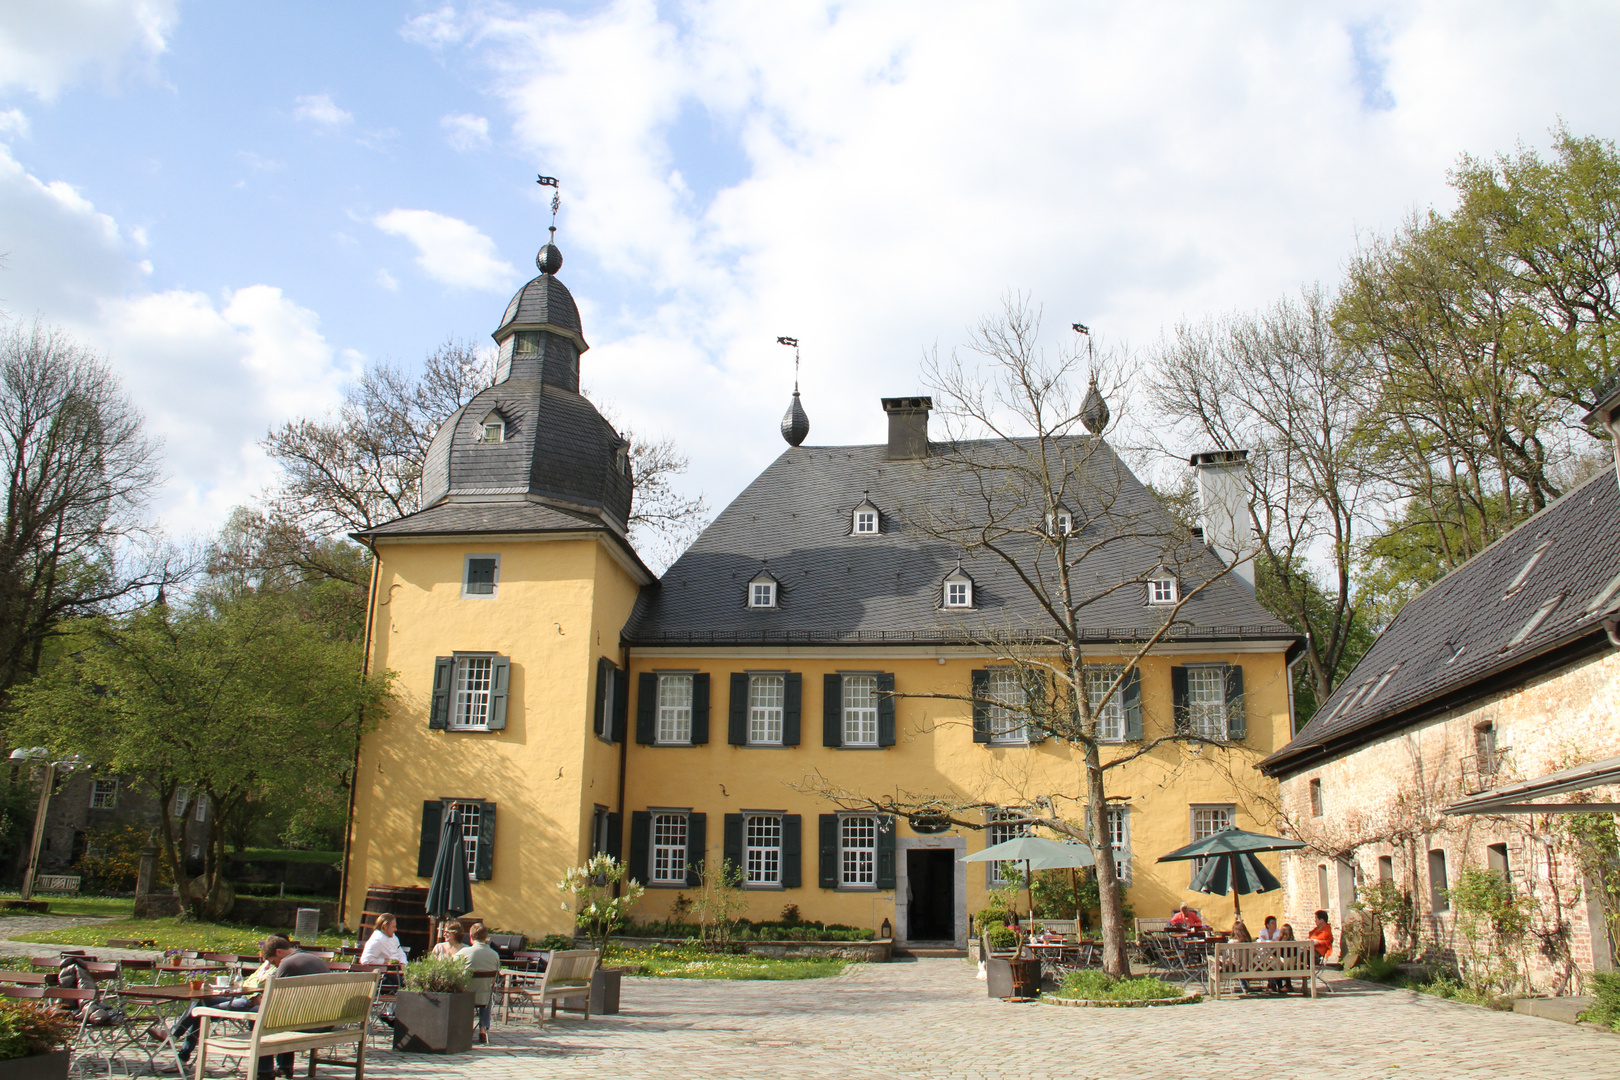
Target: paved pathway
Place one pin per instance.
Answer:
(931, 1018)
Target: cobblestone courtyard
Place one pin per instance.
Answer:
(931, 1018)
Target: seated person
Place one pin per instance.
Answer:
(1269, 932)
(383, 946)
(1185, 918)
(282, 961)
(480, 957)
(1049, 936)
(1241, 935)
(1322, 935)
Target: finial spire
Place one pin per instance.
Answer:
(795, 424)
(550, 258)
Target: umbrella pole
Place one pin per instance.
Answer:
(1237, 897)
(1029, 889)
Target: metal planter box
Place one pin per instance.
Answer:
(51, 1066)
(433, 1023)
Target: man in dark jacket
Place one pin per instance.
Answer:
(283, 961)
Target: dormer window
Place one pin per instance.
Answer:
(526, 343)
(868, 522)
(958, 589)
(621, 459)
(1060, 523)
(493, 429)
(1162, 587)
(762, 591)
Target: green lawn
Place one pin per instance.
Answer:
(169, 934)
(107, 907)
(689, 962)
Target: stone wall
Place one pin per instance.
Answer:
(1384, 801)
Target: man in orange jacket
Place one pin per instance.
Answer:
(1322, 935)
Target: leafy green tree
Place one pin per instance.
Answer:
(232, 699)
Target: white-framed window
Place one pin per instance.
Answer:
(866, 522)
(104, 794)
(493, 429)
(857, 851)
(765, 700)
(182, 799)
(470, 694)
(1119, 838)
(526, 342)
(1060, 523)
(860, 710)
(1110, 715)
(762, 849)
(1162, 589)
(959, 594)
(202, 809)
(1006, 721)
(472, 815)
(1206, 700)
(762, 594)
(1004, 826)
(196, 851)
(674, 709)
(479, 577)
(669, 849)
(1207, 821)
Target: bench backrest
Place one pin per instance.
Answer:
(305, 1002)
(1151, 926)
(1281, 955)
(570, 967)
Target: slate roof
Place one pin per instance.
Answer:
(795, 520)
(1460, 637)
(486, 517)
(542, 301)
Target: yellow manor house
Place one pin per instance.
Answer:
(570, 702)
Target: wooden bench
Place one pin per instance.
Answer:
(290, 1010)
(568, 975)
(1232, 962)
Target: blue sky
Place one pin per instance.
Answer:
(240, 204)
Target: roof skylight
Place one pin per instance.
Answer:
(1536, 620)
(1535, 556)
(1601, 600)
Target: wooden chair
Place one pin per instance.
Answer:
(289, 1010)
(568, 975)
(24, 978)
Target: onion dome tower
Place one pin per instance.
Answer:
(531, 438)
(1094, 410)
(795, 423)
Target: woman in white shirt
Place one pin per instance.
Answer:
(383, 946)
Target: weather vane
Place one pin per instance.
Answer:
(556, 197)
(793, 341)
(1085, 331)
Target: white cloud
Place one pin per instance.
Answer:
(876, 187)
(15, 122)
(387, 281)
(465, 131)
(211, 375)
(448, 249)
(44, 46)
(320, 109)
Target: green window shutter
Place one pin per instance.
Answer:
(829, 852)
(641, 845)
(444, 674)
(792, 700)
(1237, 720)
(1133, 705)
(832, 710)
(480, 577)
(621, 704)
(428, 850)
(885, 689)
(885, 853)
(732, 845)
(700, 709)
(737, 729)
(792, 851)
(1178, 700)
(484, 860)
(615, 836)
(981, 711)
(599, 722)
(647, 708)
(697, 847)
(500, 678)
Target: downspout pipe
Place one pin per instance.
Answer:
(354, 770)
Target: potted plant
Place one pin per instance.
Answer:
(598, 913)
(33, 1041)
(433, 1011)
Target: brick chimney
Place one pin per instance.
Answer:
(1223, 508)
(908, 427)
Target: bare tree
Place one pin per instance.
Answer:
(79, 471)
(1023, 490)
(1279, 384)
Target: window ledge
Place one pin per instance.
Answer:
(858, 746)
(657, 743)
(465, 730)
(763, 887)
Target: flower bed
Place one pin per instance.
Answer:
(1097, 990)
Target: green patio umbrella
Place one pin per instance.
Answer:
(1036, 853)
(450, 890)
(1231, 864)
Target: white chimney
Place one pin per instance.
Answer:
(1607, 416)
(1223, 508)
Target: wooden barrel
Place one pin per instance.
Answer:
(408, 905)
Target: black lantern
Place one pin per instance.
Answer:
(886, 932)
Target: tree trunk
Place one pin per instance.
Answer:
(1116, 961)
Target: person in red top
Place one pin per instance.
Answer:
(1185, 918)
(1322, 935)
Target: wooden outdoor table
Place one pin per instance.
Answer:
(170, 1000)
(169, 992)
(173, 969)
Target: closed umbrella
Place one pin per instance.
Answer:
(1231, 864)
(1036, 853)
(450, 890)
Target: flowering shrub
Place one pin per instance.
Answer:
(27, 1029)
(596, 910)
